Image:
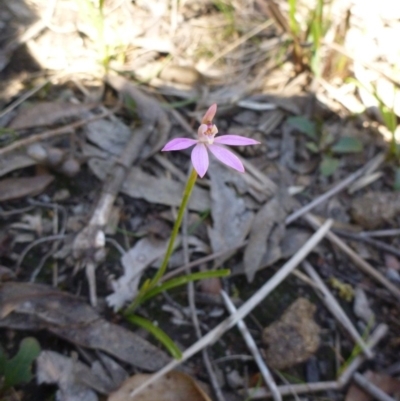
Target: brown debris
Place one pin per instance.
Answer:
(294, 338)
(375, 209)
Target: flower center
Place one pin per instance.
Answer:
(207, 132)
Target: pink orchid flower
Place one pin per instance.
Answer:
(207, 141)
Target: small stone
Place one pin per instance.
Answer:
(294, 338)
(61, 195)
(70, 167)
(55, 156)
(37, 152)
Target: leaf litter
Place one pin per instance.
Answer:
(234, 211)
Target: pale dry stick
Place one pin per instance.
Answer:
(286, 382)
(240, 41)
(370, 388)
(252, 346)
(357, 260)
(333, 305)
(375, 162)
(365, 181)
(67, 129)
(193, 312)
(37, 242)
(368, 240)
(24, 97)
(289, 389)
(378, 334)
(381, 233)
(246, 308)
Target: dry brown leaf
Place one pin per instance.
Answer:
(47, 113)
(73, 377)
(111, 136)
(16, 188)
(148, 109)
(141, 185)
(174, 386)
(32, 307)
(146, 251)
(14, 161)
(231, 219)
(270, 215)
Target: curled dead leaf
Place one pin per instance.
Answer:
(175, 386)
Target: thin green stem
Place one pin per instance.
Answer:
(151, 284)
(185, 199)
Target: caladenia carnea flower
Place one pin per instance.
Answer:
(206, 141)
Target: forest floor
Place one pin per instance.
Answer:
(91, 91)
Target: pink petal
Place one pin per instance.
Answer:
(226, 157)
(235, 140)
(178, 144)
(200, 159)
(210, 113)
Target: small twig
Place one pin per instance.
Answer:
(377, 244)
(239, 41)
(381, 233)
(289, 389)
(37, 242)
(370, 388)
(24, 97)
(245, 309)
(358, 261)
(193, 312)
(333, 305)
(377, 335)
(252, 346)
(375, 162)
(67, 129)
(116, 245)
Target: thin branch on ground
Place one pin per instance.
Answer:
(333, 305)
(65, 130)
(370, 388)
(377, 335)
(375, 243)
(358, 260)
(252, 346)
(375, 162)
(35, 243)
(193, 313)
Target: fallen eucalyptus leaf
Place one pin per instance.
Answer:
(174, 385)
(35, 307)
(141, 185)
(143, 254)
(231, 219)
(47, 113)
(16, 188)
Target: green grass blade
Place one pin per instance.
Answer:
(159, 334)
(176, 282)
